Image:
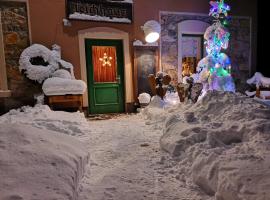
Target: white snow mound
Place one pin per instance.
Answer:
(157, 111)
(39, 164)
(223, 144)
(41, 116)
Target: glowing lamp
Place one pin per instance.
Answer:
(152, 31)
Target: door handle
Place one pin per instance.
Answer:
(118, 79)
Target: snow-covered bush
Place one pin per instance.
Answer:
(46, 66)
(39, 63)
(61, 73)
(38, 72)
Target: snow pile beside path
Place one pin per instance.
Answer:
(222, 143)
(171, 99)
(39, 164)
(41, 116)
(158, 110)
(155, 113)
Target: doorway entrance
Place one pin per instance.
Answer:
(105, 74)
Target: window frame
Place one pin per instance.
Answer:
(4, 92)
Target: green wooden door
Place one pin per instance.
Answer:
(105, 73)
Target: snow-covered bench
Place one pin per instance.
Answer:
(62, 91)
(59, 85)
(262, 84)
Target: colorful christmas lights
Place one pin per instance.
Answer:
(214, 70)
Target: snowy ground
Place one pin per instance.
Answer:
(38, 164)
(217, 149)
(125, 157)
(126, 163)
(38, 158)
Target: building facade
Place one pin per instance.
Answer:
(26, 22)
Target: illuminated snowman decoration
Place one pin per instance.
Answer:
(214, 71)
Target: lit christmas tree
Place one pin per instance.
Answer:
(214, 71)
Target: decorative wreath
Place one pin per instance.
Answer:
(38, 62)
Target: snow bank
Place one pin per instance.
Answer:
(157, 110)
(41, 116)
(39, 164)
(171, 99)
(62, 86)
(222, 143)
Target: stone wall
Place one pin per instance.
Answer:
(169, 40)
(16, 39)
(238, 51)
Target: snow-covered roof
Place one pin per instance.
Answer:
(123, 1)
(82, 16)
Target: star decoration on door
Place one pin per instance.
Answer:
(106, 60)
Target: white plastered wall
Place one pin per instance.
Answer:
(107, 33)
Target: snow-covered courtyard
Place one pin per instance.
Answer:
(125, 160)
(127, 163)
(101, 102)
(216, 149)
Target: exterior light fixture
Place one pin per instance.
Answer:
(152, 31)
(66, 22)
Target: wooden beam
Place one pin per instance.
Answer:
(3, 74)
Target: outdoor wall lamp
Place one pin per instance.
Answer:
(66, 22)
(152, 31)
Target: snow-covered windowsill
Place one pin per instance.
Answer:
(5, 93)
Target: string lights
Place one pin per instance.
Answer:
(106, 60)
(214, 70)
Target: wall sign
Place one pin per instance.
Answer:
(118, 11)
